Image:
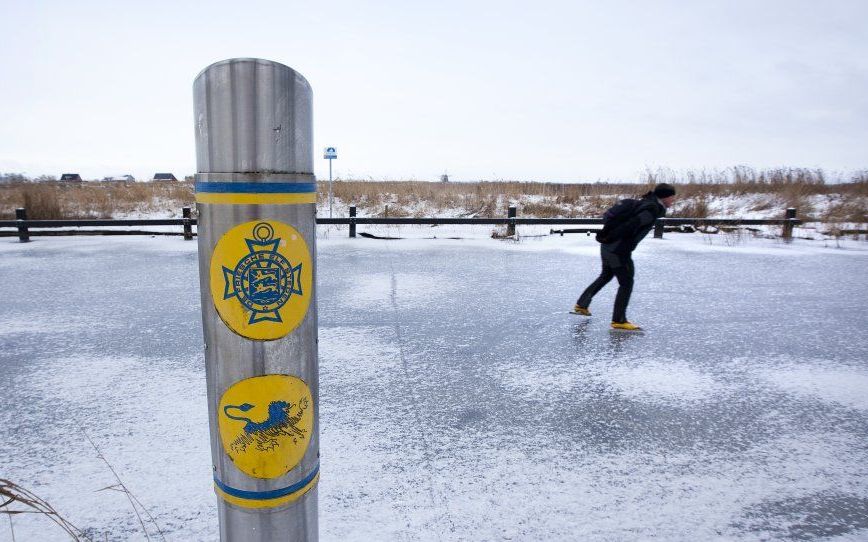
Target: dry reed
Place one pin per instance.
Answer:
(53, 200)
(780, 188)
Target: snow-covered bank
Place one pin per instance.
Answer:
(827, 235)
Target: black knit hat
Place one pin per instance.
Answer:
(664, 190)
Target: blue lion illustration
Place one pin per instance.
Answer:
(280, 422)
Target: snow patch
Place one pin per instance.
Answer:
(408, 288)
(662, 380)
(841, 386)
(11, 326)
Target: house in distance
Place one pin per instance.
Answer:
(70, 177)
(164, 177)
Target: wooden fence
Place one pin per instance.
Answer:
(24, 228)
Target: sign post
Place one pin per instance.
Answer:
(330, 154)
(256, 198)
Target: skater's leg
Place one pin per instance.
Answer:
(625, 288)
(605, 276)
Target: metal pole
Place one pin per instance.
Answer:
(352, 222)
(331, 199)
(256, 198)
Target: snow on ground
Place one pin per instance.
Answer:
(818, 382)
(459, 400)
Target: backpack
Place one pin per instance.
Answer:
(616, 215)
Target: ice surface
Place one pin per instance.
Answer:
(459, 400)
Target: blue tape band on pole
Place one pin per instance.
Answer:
(273, 494)
(254, 188)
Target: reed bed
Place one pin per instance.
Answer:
(99, 199)
(699, 195)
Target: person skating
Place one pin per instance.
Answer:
(618, 239)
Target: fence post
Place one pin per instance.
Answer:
(23, 234)
(510, 228)
(352, 221)
(658, 229)
(788, 225)
(188, 228)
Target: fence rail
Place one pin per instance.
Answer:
(22, 226)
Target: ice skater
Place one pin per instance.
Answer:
(624, 226)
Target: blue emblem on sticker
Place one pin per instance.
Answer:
(263, 280)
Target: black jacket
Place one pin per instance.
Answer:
(628, 234)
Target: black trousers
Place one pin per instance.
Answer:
(614, 265)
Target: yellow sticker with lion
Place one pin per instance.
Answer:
(265, 424)
(262, 279)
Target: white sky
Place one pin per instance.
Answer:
(557, 91)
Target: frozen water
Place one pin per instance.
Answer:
(459, 400)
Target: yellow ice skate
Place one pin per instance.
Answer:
(625, 326)
(580, 310)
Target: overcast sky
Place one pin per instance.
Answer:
(558, 91)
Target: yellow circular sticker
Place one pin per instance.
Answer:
(262, 279)
(265, 424)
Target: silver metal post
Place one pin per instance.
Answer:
(256, 198)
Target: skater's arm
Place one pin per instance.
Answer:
(630, 228)
(645, 221)
(631, 232)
